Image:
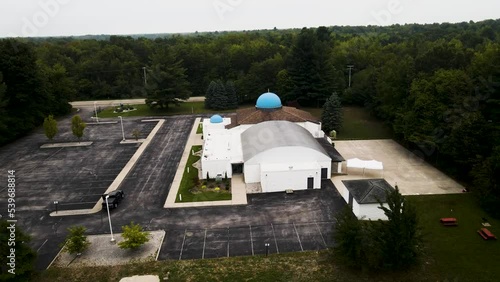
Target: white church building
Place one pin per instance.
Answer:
(281, 148)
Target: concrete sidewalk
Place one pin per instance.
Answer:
(238, 188)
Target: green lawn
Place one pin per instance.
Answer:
(358, 124)
(199, 130)
(188, 182)
(458, 253)
(143, 110)
(452, 254)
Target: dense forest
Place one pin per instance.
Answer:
(436, 85)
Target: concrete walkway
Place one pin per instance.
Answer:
(121, 176)
(238, 189)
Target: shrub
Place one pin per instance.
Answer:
(217, 189)
(204, 187)
(133, 236)
(76, 242)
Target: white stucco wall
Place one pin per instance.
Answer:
(214, 167)
(371, 212)
(251, 173)
(278, 181)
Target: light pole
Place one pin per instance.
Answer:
(95, 110)
(55, 204)
(267, 249)
(123, 132)
(109, 217)
(350, 67)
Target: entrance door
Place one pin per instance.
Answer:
(310, 183)
(324, 173)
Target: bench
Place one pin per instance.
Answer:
(486, 234)
(449, 221)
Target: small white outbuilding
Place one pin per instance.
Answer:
(362, 195)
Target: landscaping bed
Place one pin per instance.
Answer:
(192, 189)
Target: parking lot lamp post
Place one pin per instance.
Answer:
(123, 132)
(55, 204)
(95, 110)
(109, 218)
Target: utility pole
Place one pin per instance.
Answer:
(145, 77)
(350, 67)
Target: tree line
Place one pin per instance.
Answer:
(437, 85)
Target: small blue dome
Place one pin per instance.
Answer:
(268, 101)
(216, 119)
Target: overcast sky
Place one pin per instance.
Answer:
(81, 17)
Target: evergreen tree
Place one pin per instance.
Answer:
(210, 94)
(400, 234)
(347, 237)
(50, 127)
(232, 95)
(310, 67)
(168, 82)
(332, 116)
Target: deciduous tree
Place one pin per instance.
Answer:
(133, 236)
(50, 127)
(76, 241)
(78, 126)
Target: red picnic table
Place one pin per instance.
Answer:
(486, 234)
(449, 221)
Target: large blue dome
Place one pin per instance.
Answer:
(216, 119)
(268, 101)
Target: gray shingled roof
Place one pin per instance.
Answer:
(332, 152)
(274, 134)
(367, 191)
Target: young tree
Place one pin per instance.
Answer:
(78, 126)
(50, 127)
(133, 236)
(332, 115)
(24, 256)
(76, 242)
(136, 133)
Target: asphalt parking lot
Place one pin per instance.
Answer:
(75, 176)
(246, 240)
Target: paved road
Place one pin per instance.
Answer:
(108, 103)
(293, 217)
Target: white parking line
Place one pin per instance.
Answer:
(251, 238)
(319, 230)
(42, 245)
(275, 241)
(298, 237)
(182, 247)
(204, 242)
